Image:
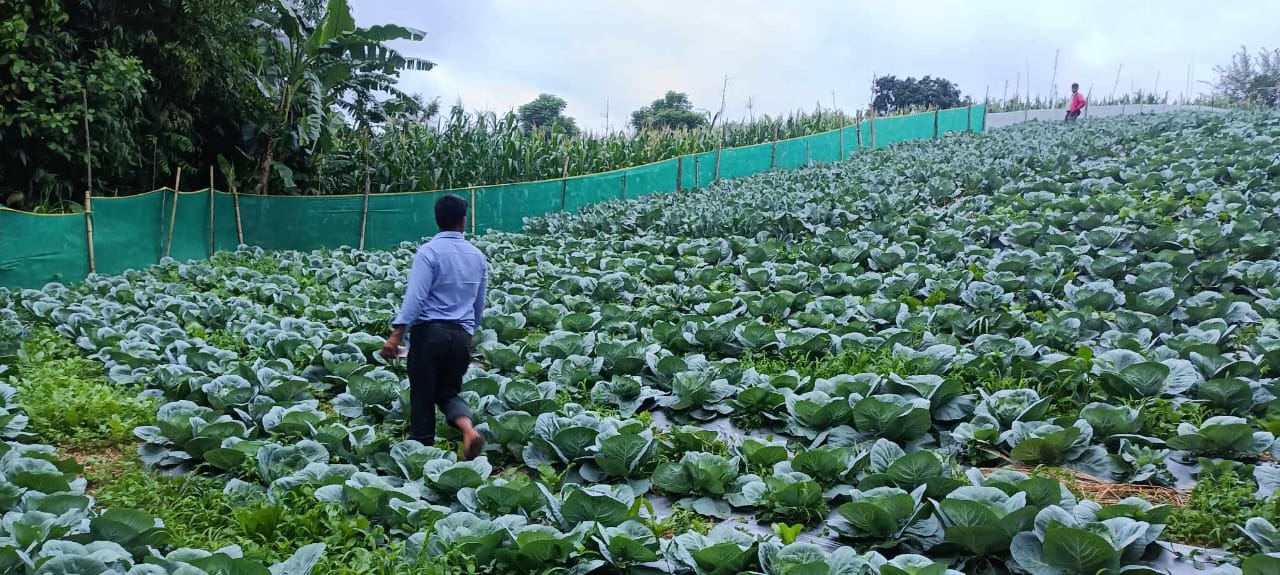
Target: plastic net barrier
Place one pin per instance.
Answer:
(138, 231)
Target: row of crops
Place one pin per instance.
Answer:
(479, 149)
(1025, 299)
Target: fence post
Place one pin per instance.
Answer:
(235, 198)
(773, 151)
(679, 173)
(872, 126)
(564, 181)
(968, 118)
(211, 250)
(173, 213)
(624, 185)
(858, 128)
(697, 172)
(88, 191)
(806, 152)
(717, 174)
(472, 208)
(935, 123)
(364, 209)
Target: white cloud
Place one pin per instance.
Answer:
(782, 56)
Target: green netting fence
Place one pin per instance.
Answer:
(137, 231)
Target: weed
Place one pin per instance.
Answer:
(1217, 506)
(69, 401)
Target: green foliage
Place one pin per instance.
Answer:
(198, 514)
(891, 94)
(157, 77)
(69, 401)
(674, 111)
(1217, 507)
(1250, 79)
(545, 114)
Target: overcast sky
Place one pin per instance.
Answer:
(617, 55)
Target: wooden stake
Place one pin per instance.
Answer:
(697, 172)
(88, 191)
(173, 213)
(717, 174)
(563, 181)
(624, 185)
(773, 151)
(872, 126)
(235, 198)
(364, 209)
(858, 129)
(968, 118)
(472, 208)
(842, 142)
(806, 152)
(935, 123)
(211, 250)
(679, 173)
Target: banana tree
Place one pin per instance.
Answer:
(318, 73)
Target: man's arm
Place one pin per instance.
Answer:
(480, 295)
(415, 299)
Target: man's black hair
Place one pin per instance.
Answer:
(451, 213)
(1075, 86)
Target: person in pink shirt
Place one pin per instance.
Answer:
(1077, 104)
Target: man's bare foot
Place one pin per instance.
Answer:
(472, 445)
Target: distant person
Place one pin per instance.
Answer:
(1077, 104)
(442, 308)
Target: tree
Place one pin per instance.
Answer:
(1249, 79)
(891, 94)
(315, 69)
(166, 83)
(545, 114)
(674, 111)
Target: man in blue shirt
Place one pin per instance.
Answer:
(442, 308)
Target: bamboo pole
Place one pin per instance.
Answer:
(211, 247)
(871, 125)
(173, 213)
(1027, 110)
(1117, 84)
(1053, 81)
(235, 198)
(564, 180)
(88, 191)
(968, 118)
(858, 129)
(717, 174)
(935, 123)
(842, 141)
(773, 150)
(679, 173)
(806, 152)
(624, 181)
(472, 208)
(697, 172)
(364, 209)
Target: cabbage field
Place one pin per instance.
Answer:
(901, 364)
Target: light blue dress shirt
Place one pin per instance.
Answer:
(447, 282)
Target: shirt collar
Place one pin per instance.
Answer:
(450, 235)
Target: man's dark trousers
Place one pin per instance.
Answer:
(439, 354)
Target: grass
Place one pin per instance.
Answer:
(1219, 504)
(69, 401)
(198, 514)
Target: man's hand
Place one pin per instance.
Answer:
(391, 349)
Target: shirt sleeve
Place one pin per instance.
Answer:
(421, 275)
(480, 294)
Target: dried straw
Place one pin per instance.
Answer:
(1107, 492)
